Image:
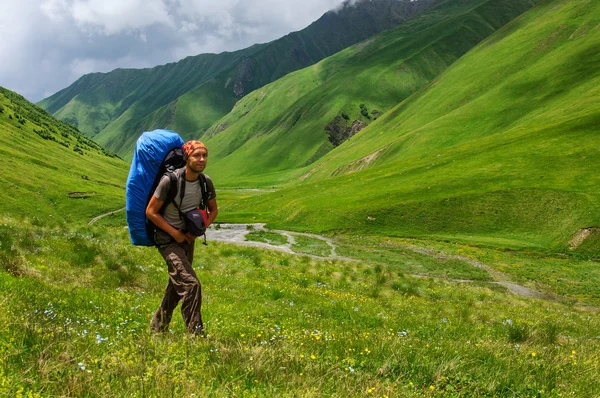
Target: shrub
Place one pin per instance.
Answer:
(10, 258)
(516, 333)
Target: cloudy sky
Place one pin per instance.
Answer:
(45, 45)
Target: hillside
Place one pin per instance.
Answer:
(96, 100)
(500, 149)
(294, 121)
(50, 172)
(114, 108)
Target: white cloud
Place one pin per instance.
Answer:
(47, 45)
(116, 16)
(56, 10)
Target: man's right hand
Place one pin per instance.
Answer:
(179, 236)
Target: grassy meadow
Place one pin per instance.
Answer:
(468, 213)
(77, 302)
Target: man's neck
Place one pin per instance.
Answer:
(190, 174)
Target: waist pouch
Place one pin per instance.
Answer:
(195, 222)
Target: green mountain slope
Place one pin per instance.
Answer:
(50, 171)
(96, 100)
(501, 148)
(282, 127)
(114, 108)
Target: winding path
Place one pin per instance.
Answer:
(498, 277)
(110, 213)
(236, 233)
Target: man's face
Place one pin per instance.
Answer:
(197, 160)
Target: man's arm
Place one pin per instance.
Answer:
(213, 210)
(153, 214)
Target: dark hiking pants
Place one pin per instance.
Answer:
(183, 286)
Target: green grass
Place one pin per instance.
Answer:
(75, 318)
(199, 108)
(491, 167)
(113, 220)
(571, 276)
(309, 245)
(269, 237)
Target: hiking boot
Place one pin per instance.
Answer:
(199, 332)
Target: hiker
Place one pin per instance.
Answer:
(175, 243)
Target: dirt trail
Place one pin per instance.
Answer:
(110, 213)
(498, 277)
(236, 233)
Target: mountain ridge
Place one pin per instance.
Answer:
(308, 109)
(116, 122)
(500, 149)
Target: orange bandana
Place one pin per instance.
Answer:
(191, 146)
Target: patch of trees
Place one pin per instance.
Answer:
(72, 121)
(33, 117)
(110, 154)
(364, 111)
(21, 119)
(339, 130)
(45, 134)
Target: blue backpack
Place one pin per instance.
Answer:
(156, 153)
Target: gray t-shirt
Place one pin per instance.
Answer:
(191, 198)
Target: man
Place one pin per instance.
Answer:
(175, 244)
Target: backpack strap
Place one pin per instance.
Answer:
(150, 227)
(172, 191)
(203, 196)
(204, 191)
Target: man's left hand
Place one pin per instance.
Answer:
(189, 237)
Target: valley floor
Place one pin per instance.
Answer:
(394, 322)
